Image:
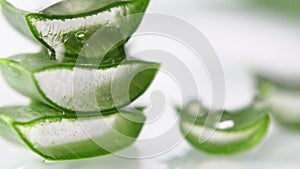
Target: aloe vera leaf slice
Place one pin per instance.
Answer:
(62, 84)
(285, 107)
(65, 35)
(64, 31)
(56, 137)
(283, 98)
(16, 18)
(237, 131)
(74, 7)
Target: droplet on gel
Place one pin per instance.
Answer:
(80, 36)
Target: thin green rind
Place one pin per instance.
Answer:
(122, 134)
(137, 3)
(234, 147)
(74, 7)
(16, 18)
(19, 72)
(269, 83)
(284, 122)
(259, 125)
(20, 79)
(115, 28)
(7, 130)
(271, 87)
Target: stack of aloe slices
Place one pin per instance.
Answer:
(282, 95)
(235, 132)
(62, 89)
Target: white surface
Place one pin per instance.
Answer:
(240, 35)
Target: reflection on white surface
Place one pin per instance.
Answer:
(239, 34)
(281, 149)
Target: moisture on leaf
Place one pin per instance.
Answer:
(65, 28)
(235, 132)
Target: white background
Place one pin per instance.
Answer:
(244, 37)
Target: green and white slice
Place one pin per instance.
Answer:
(235, 132)
(53, 136)
(283, 98)
(64, 28)
(74, 88)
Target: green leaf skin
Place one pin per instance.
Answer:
(283, 98)
(78, 88)
(54, 136)
(75, 7)
(16, 18)
(236, 132)
(65, 28)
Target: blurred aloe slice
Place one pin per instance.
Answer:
(283, 97)
(290, 6)
(54, 136)
(237, 131)
(78, 88)
(64, 28)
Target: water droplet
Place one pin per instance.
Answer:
(51, 54)
(80, 36)
(48, 162)
(225, 125)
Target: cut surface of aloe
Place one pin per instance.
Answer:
(53, 136)
(73, 88)
(64, 28)
(283, 98)
(235, 132)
